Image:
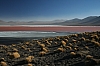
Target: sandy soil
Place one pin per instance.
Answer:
(47, 28)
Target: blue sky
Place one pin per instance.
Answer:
(47, 10)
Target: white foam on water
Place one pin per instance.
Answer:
(25, 32)
(48, 26)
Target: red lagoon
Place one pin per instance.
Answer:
(50, 28)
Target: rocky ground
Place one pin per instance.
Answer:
(74, 50)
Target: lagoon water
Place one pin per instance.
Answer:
(32, 34)
(14, 37)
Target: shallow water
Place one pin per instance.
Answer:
(32, 34)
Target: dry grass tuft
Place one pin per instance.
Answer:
(73, 40)
(72, 53)
(15, 50)
(5, 47)
(42, 53)
(29, 59)
(13, 45)
(44, 49)
(74, 35)
(66, 40)
(23, 47)
(42, 45)
(75, 49)
(48, 43)
(96, 43)
(27, 43)
(14, 55)
(89, 57)
(56, 43)
(2, 59)
(83, 39)
(86, 47)
(61, 49)
(63, 43)
(68, 47)
(29, 64)
(3, 63)
(70, 44)
(97, 61)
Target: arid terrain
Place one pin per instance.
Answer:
(81, 49)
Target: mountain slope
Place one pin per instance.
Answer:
(88, 21)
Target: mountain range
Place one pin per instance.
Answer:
(88, 21)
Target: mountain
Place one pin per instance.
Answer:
(93, 20)
(88, 21)
(68, 22)
(2, 22)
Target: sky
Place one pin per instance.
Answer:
(47, 10)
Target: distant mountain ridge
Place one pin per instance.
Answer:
(88, 21)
